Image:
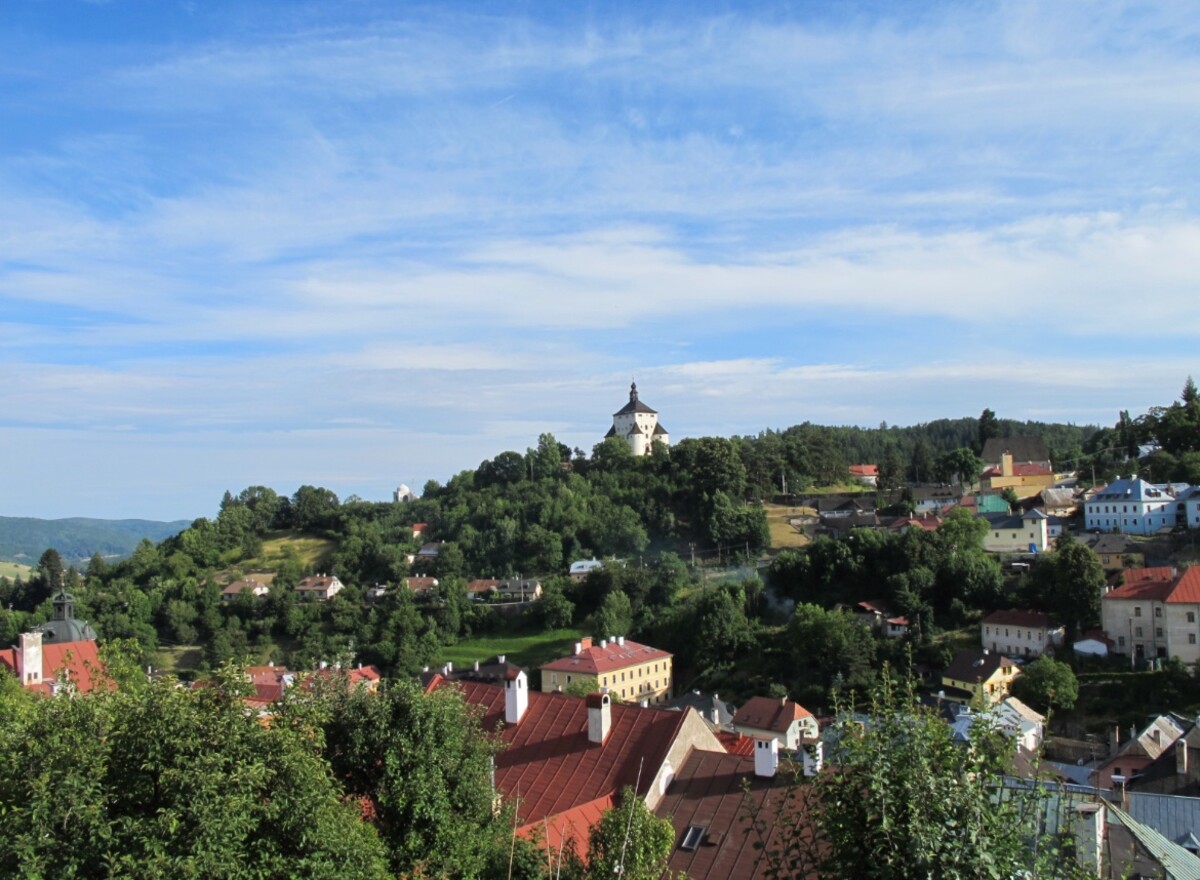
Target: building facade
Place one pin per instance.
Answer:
(1155, 613)
(1130, 505)
(629, 671)
(1020, 633)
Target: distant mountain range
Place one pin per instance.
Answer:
(25, 539)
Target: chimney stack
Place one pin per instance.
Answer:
(1181, 757)
(814, 757)
(1089, 836)
(766, 757)
(621, 640)
(516, 696)
(29, 658)
(599, 709)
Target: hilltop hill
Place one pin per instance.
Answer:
(24, 539)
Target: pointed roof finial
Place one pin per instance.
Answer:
(633, 392)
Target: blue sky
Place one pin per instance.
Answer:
(361, 243)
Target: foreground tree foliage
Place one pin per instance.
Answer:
(903, 800)
(420, 764)
(629, 842)
(164, 782)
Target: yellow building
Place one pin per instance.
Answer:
(1026, 479)
(629, 671)
(982, 676)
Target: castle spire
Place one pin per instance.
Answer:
(633, 392)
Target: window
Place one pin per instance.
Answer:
(1191, 638)
(692, 838)
(1158, 611)
(1137, 612)
(1191, 617)
(1158, 631)
(1138, 632)
(1121, 641)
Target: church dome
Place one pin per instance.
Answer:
(65, 627)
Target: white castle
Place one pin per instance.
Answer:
(638, 424)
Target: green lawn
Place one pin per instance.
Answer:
(311, 549)
(782, 533)
(14, 570)
(528, 649)
(179, 660)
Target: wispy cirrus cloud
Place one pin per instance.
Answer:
(262, 234)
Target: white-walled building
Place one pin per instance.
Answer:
(1020, 633)
(1130, 505)
(1155, 613)
(1025, 533)
(638, 424)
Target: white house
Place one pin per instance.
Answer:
(638, 424)
(1130, 505)
(1026, 533)
(779, 719)
(319, 586)
(1020, 633)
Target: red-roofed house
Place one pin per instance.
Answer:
(867, 474)
(49, 668)
(319, 586)
(246, 585)
(1155, 612)
(1019, 633)
(568, 757)
(779, 719)
(628, 670)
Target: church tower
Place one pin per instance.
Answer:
(638, 424)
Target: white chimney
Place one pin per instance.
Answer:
(579, 647)
(814, 757)
(621, 640)
(599, 708)
(500, 658)
(516, 697)
(29, 658)
(1181, 757)
(766, 757)
(603, 643)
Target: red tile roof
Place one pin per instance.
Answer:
(551, 768)
(1019, 617)
(1187, 587)
(482, 585)
(79, 662)
(1146, 584)
(864, 470)
(708, 792)
(736, 743)
(769, 713)
(1028, 469)
(605, 657)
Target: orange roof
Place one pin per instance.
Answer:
(736, 743)
(606, 657)
(769, 713)
(1146, 584)
(1187, 587)
(79, 662)
(552, 769)
(864, 470)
